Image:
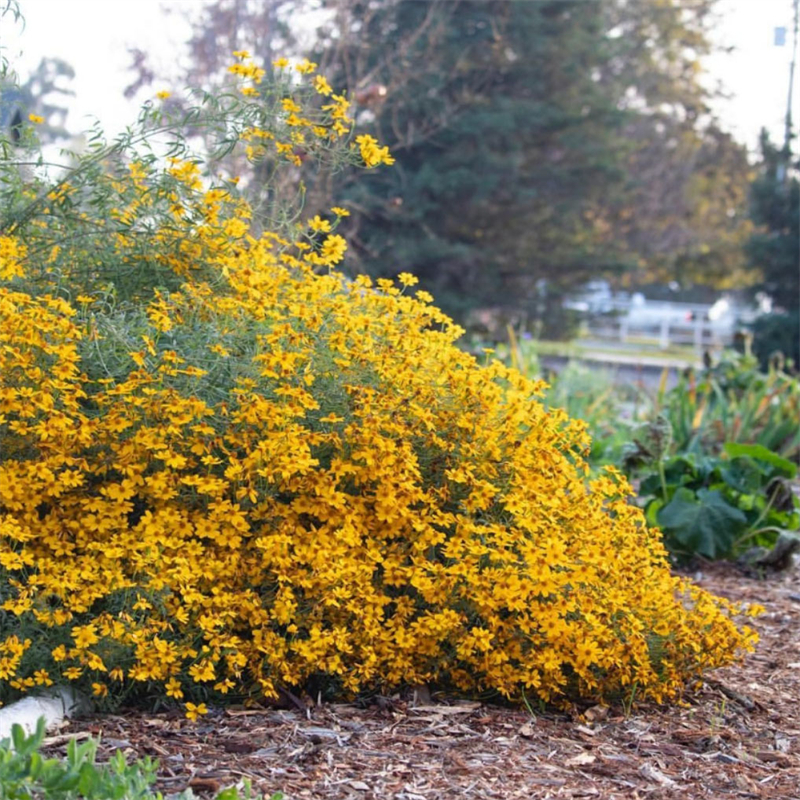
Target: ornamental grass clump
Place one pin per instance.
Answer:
(262, 473)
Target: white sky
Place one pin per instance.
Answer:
(756, 73)
(94, 36)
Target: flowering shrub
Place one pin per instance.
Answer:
(261, 472)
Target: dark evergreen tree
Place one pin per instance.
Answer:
(537, 143)
(510, 149)
(774, 249)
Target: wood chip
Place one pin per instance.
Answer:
(581, 760)
(528, 730)
(652, 774)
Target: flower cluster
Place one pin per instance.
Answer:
(258, 473)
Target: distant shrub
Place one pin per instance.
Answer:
(777, 337)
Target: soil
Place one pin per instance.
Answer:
(735, 735)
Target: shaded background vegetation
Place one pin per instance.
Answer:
(538, 145)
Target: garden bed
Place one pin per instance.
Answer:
(737, 735)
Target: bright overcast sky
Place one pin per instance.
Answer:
(94, 36)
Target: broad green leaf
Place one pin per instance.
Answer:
(761, 453)
(703, 523)
(651, 512)
(742, 475)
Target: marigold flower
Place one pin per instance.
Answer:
(306, 67)
(322, 86)
(407, 279)
(316, 223)
(193, 711)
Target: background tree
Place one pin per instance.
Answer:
(774, 249)
(538, 144)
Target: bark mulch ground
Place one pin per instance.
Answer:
(737, 736)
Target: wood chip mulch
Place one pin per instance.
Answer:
(737, 736)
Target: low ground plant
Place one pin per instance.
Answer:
(714, 506)
(26, 774)
(226, 469)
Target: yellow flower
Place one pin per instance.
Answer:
(322, 86)
(193, 711)
(290, 105)
(12, 254)
(280, 63)
(35, 119)
(42, 678)
(340, 212)
(407, 279)
(241, 54)
(305, 67)
(99, 690)
(316, 223)
(173, 688)
(59, 653)
(333, 249)
(372, 154)
(163, 95)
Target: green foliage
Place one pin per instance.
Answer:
(734, 401)
(716, 506)
(712, 457)
(111, 221)
(775, 209)
(610, 410)
(700, 522)
(26, 774)
(776, 338)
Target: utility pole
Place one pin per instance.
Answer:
(788, 132)
(787, 148)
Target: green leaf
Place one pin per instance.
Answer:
(742, 475)
(703, 523)
(652, 509)
(761, 453)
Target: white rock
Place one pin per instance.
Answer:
(54, 707)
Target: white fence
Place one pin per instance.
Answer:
(662, 324)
